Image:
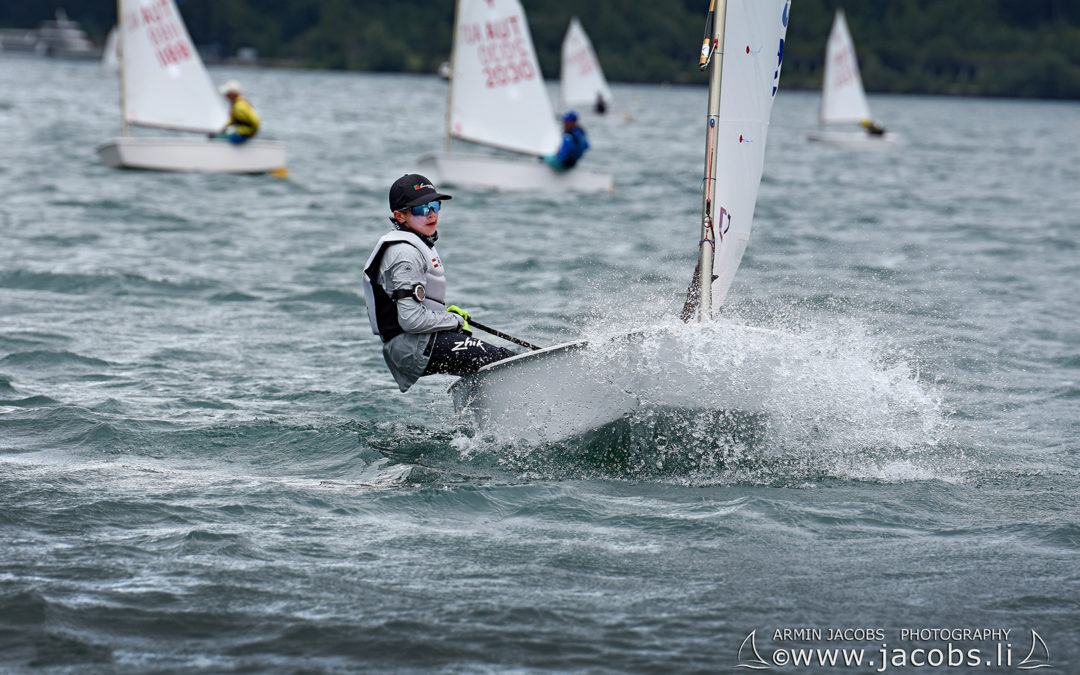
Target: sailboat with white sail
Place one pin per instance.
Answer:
(845, 113)
(581, 78)
(560, 391)
(164, 85)
(498, 100)
(110, 56)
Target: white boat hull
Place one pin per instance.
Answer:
(563, 391)
(193, 154)
(853, 138)
(511, 174)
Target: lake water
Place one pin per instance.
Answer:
(206, 467)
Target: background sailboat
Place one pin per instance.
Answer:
(581, 79)
(562, 391)
(110, 56)
(498, 99)
(845, 113)
(164, 84)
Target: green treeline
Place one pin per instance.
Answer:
(1022, 48)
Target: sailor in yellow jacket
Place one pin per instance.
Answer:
(242, 115)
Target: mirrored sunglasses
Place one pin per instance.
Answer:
(424, 209)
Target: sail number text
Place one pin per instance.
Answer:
(582, 60)
(579, 56)
(162, 29)
(843, 66)
(502, 49)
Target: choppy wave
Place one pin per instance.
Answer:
(105, 284)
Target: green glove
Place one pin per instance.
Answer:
(454, 309)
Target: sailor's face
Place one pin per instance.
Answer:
(424, 224)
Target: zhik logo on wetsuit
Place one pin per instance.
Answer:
(462, 345)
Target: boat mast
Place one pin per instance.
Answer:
(450, 89)
(712, 50)
(120, 62)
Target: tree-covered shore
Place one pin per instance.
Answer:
(1013, 48)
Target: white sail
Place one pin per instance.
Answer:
(753, 53)
(498, 97)
(110, 56)
(581, 78)
(165, 82)
(843, 99)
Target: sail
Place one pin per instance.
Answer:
(753, 53)
(165, 82)
(842, 96)
(110, 56)
(498, 97)
(581, 78)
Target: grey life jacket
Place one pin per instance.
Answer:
(382, 308)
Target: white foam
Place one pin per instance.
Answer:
(827, 399)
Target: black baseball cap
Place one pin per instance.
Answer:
(412, 189)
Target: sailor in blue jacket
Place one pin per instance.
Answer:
(574, 145)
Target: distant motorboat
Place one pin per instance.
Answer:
(59, 37)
